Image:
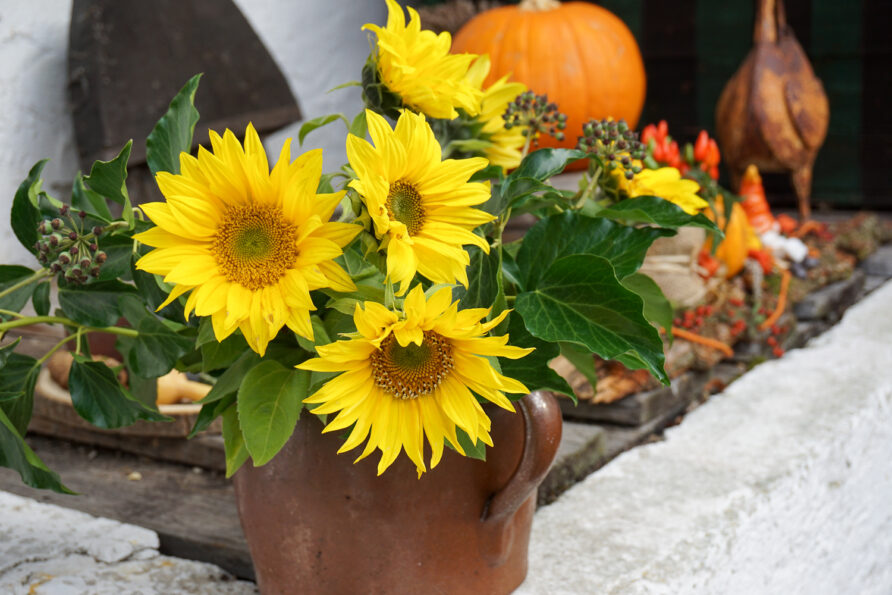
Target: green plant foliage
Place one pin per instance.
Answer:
(656, 211)
(25, 216)
(99, 398)
(483, 280)
(156, 348)
(269, 403)
(16, 455)
(233, 441)
(11, 275)
(533, 369)
(18, 375)
(95, 304)
(173, 133)
(109, 178)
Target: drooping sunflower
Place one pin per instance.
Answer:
(421, 206)
(416, 65)
(409, 375)
(667, 183)
(507, 144)
(249, 243)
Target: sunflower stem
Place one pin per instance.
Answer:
(37, 276)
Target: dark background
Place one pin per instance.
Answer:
(692, 47)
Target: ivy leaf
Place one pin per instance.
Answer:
(656, 211)
(10, 274)
(156, 348)
(583, 362)
(100, 399)
(84, 199)
(95, 304)
(41, 299)
(233, 441)
(6, 351)
(119, 251)
(483, 280)
(571, 233)
(533, 369)
(173, 133)
(18, 456)
(18, 375)
(109, 178)
(544, 163)
(657, 308)
(24, 216)
(269, 403)
(579, 300)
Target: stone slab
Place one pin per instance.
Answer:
(832, 300)
(50, 550)
(879, 263)
(635, 409)
(781, 484)
(582, 450)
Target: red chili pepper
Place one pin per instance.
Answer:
(701, 145)
(764, 258)
(777, 351)
(771, 341)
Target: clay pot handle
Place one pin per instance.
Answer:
(542, 436)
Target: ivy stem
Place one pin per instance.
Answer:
(29, 320)
(41, 274)
(56, 348)
(588, 189)
(526, 144)
(11, 313)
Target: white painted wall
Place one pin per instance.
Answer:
(317, 44)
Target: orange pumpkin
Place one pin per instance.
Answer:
(581, 55)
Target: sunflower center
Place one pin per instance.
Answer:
(414, 370)
(404, 205)
(255, 245)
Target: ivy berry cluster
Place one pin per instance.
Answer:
(536, 115)
(69, 248)
(615, 143)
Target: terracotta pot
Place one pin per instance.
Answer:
(317, 523)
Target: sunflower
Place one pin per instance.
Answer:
(666, 183)
(507, 145)
(250, 243)
(420, 205)
(409, 375)
(416, 65)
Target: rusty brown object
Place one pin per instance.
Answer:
(773, 112)
(317, 523)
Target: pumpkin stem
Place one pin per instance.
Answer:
(539, 5)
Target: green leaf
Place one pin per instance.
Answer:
(231, 379)
(99, 398)
(18, 376)
(656, 211)
(579, 300)
(311, 125)
(84, 199)
(209, 412)
(172, 134)
(490, 172)
(10, 274)
(474, 451)
(24, 216)
(6, 351)
(269, 403)
(149, 288)
(108, 177)
(215, 356)
(359, 127)
(483, 280)
(41, 299)
(95, 304)
(571, 233)
(119, 252)
(657, 308)
(233, 441)
(157, 348)
(583, 362)
(533, 369)
(144, 390)
(16, 455)
(544, 163)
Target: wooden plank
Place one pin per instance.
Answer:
(194, 513)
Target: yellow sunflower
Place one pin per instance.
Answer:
(420, 205)
(417, 66)
(667, 183)
(409, 375)
(507, 145)
(251, 243)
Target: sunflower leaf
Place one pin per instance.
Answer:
(579, 300)
(483, 280)
(155, 350)
(473, 451)
(16, 455)
(233, 441)
(270, 398)
(571, 233)
(209, 412)
(100, 399)
(311, 125)
(172, 134)
(25, 216)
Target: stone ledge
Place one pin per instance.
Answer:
(779, 485)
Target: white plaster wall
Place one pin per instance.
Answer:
(317, 44)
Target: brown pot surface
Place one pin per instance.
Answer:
(317, 523)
